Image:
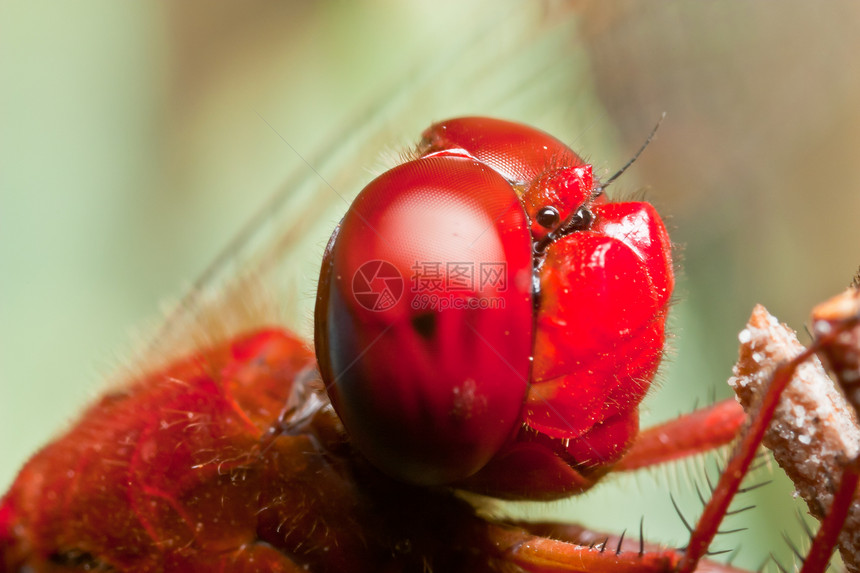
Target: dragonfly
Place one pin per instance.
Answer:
(594, 31)
(191, 467)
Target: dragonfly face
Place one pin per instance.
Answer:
(555, 353)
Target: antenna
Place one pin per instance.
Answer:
(600, 189)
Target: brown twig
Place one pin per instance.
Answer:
(814, 431)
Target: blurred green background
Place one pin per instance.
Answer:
(136, 139)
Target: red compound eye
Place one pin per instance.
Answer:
(519, 153)
(424, 318)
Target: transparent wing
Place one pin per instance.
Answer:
(518, 61)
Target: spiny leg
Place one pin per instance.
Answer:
(566, 548)
(765, 343)
(689, 434)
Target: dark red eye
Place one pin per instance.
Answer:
(518, 152)
(424, 318)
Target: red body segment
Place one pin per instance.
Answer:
(230, 460)
(600, 325)
(200, 422)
